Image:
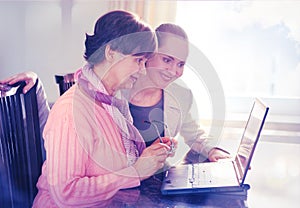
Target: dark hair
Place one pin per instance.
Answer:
(123, 32)
(169, 28)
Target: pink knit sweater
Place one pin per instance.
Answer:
(86, 161)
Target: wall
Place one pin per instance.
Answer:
(45, 37)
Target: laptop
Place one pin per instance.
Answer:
(224, 175)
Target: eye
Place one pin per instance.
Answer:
(139, 60)
(166, 60)
(180, 65)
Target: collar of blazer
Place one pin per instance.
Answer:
(172, 113)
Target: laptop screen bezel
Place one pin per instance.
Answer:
(242, 172)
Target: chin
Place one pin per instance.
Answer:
(163, 84)
(127, 85)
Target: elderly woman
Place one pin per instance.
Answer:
(92, 148)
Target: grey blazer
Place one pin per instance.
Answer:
(178, 102)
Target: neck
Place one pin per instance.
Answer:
(102, 71)
(109, 87)
(146, 97)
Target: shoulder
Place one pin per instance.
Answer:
(76, 104)
(76, 113)
(64, 102)
(179, 92)
(69, 105)
(178, 96)
(178, 88)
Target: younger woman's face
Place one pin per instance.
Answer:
(163, 69)
(168, 63)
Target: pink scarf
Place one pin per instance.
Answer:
(117, 108)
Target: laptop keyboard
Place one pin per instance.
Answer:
(199, 175)
(211, 174)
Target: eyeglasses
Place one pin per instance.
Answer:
(154, 123)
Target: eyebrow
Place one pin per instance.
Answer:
(171, 57)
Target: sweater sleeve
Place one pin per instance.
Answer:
(69, 158)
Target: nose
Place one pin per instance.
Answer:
(179, 71)
(176, 70)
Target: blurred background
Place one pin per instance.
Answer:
(253, 46)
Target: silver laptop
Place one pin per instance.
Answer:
(224, 175)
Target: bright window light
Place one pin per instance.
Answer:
(254, 46)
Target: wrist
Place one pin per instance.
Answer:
(137, 172)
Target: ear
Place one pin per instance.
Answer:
(109, 54)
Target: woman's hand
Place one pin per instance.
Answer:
(171, 142)
(29, 78)
(152, 159)
(215, 154)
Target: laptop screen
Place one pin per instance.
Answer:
(250, 137)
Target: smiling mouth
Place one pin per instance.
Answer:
(167, 77)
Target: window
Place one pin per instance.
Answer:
(253, 45)
(254, 48)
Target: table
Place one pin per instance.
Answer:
(274, 180)
(148, 195)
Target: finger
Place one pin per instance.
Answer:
(213, 159)
(162, 152)
(161, 158)
(28, 87)
(157, 146)
(7, 80)
(156, 141)
(168, 143)
(21, 78)
(12, 80)
(169, 140)
(153, 151)
(171, 155)
(165, 139)
(220, 157)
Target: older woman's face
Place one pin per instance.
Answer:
(125, 72)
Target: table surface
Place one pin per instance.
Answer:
(274, 179)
